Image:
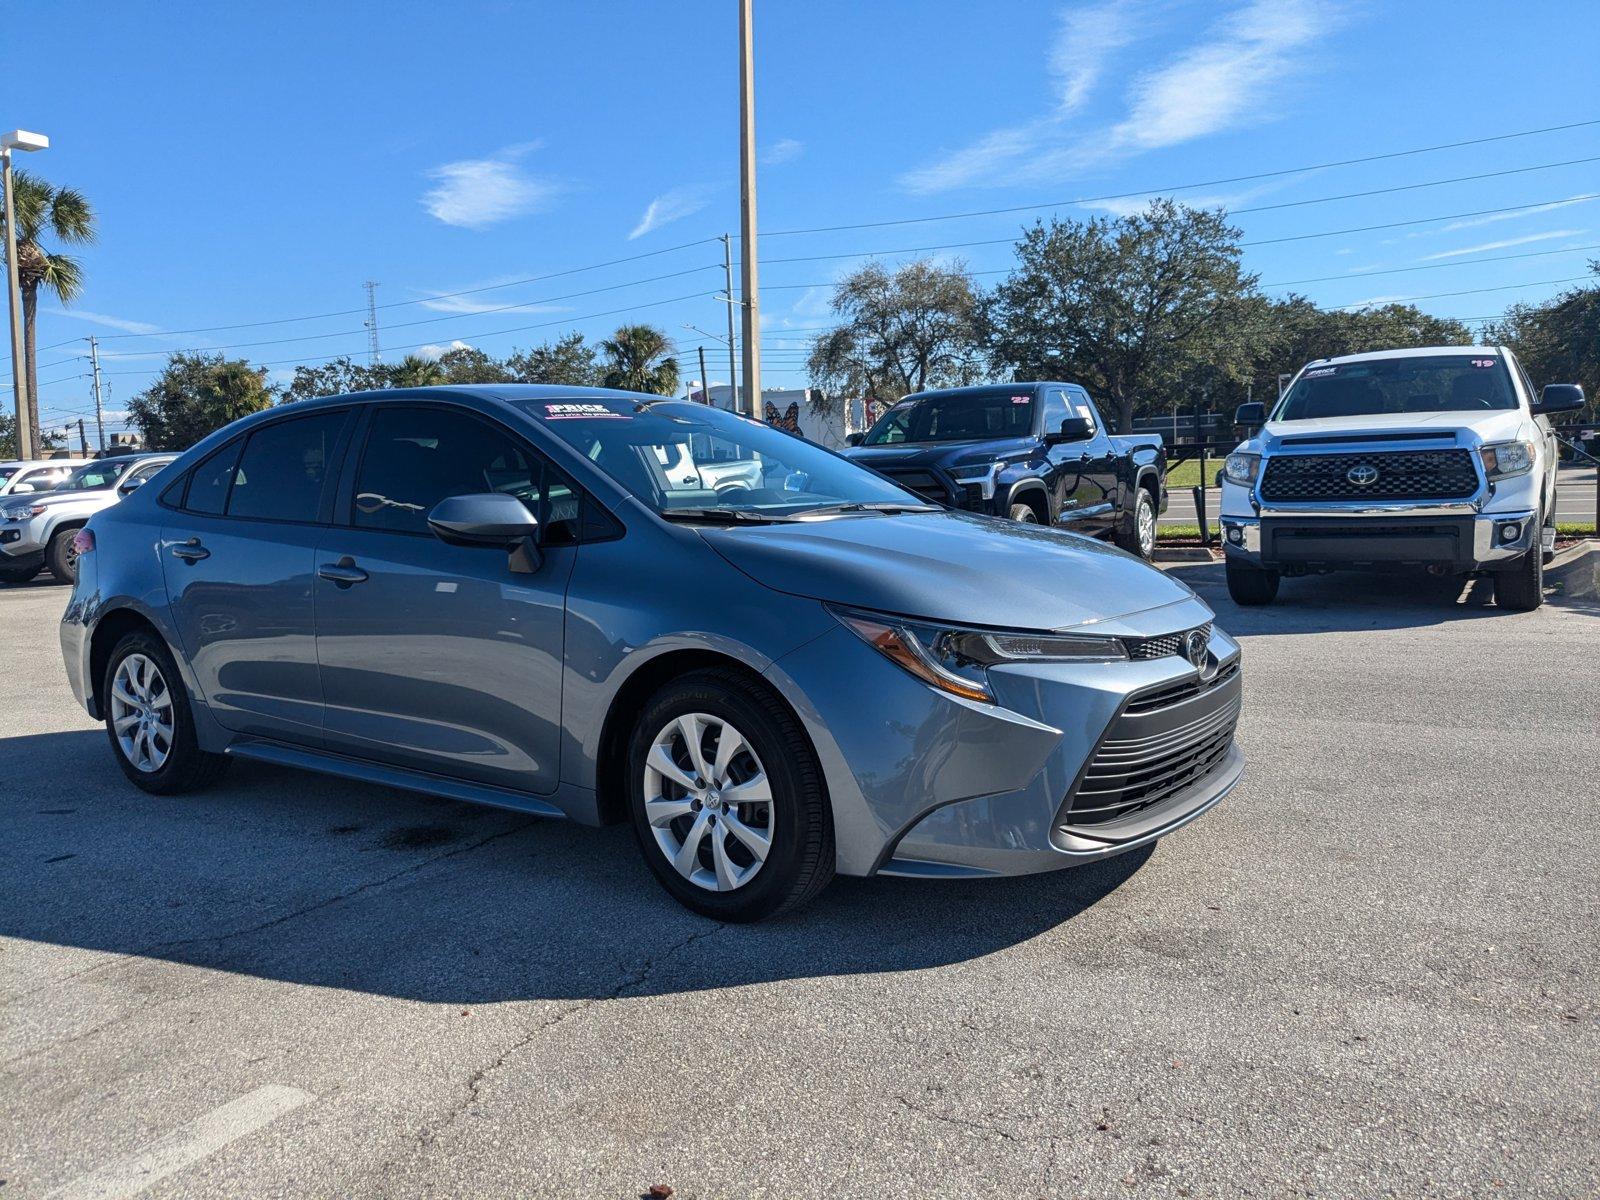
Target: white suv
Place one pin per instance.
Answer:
(37, 530)
(1442, 457)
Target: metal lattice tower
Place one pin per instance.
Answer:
(372, 321)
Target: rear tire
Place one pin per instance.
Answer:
(1520, 587)
(1251, 586)
(169, 760)
(797, 824)
(1139, 536)
(61, 558)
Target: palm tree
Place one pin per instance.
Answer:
(412, 371)
(65, 214)
(640, 360)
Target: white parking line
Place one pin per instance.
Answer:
(184, 1146)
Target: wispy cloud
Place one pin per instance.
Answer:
(1127, 206)
(1504, 243)
(94, 318)
(781, 151)
(1233, 76)
(474, 193)
(671, 206)
(1472, 222)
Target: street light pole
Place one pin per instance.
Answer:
(17, 139)
(751, 326)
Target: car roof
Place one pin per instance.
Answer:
(979, 388)
(1414, 352)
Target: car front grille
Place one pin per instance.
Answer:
(1162, 646)
(1388, 475)
(924, 483)
(1163, 741)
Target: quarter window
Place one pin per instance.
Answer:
(208, 485)
(280, 473)
(416, 457)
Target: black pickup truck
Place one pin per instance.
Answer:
(1034, 452)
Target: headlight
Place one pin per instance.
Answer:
(1242, 468)
(984, 476)
(1504, 459)
(956, 660)
(22, 514)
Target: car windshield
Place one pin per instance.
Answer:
(6, 473)
(1426, 383)
(101, 474)
(1002, 412)
(692, 461)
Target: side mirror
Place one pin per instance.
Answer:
(1252, 415)
(1558, 398)
(853, 439)
(1073, 429)
(21, 488)
(489, 519)
(130, 487)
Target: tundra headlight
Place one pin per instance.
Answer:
(1242, 467)
(984, 476)
(1504, 459)
(956, 660)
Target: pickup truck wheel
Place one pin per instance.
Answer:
(1140, 536)
(1520, 587)
(61, 558)
(1251, 585)
(1024, 513)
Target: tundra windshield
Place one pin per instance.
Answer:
(1427, 383)
(1003, 412)
(693, 462)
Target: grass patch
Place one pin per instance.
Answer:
(1187, 474)
(1180, 533)
(1575, 529)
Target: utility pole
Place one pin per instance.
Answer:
(751, 325)
(99, 405)
(705, 380)
(733, 375)
(83, 438)
(372, 322)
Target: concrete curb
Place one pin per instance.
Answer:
(1181, 554)
(1575, 572)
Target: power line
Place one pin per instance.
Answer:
(1183, 187)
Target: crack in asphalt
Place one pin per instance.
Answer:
(474, 1084)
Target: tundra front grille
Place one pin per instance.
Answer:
(1386, 475)
(924, 483)
(1149, 755)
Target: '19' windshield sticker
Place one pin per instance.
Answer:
(566, 412)
(1321, 372)
(1483, 362)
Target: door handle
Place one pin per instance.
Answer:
(343, 573)
(191, 551)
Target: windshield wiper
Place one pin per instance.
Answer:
(722, 516)
(877, 506)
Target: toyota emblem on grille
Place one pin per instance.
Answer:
(1194, 648)
(1362, 474)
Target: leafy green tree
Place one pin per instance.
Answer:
(919, 326)
(468, 364)
(1133, 307)
(415, 371)
(1558, 341)
(568, 360)
(45, 211)
(335, 378)
(639, 359)
(195, 395)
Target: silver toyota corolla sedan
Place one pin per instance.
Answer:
(553, 600)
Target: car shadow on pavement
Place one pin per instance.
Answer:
(289, 876)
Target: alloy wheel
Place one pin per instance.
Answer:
(1146, 516)
(141, 713)
(709, 802)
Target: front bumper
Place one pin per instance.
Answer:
(924, 784)
(22, 539)
(1463, 541)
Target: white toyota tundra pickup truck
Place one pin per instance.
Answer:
(1439, 457)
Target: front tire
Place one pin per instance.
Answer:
(727, 798)
(149, 722)
(1140, 535)
(1520, 587)
(1251, 586)
(61, 557)
(1024, 513)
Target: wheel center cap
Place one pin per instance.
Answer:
(713, 799)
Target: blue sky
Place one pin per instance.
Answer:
(255, 162)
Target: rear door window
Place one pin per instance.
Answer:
(283, 467)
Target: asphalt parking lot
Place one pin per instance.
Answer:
(1373, 970)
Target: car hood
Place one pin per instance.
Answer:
(61, 499)
(950, 566)
(936, 454)
(1469, 428)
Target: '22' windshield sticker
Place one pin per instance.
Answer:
(566, 412)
